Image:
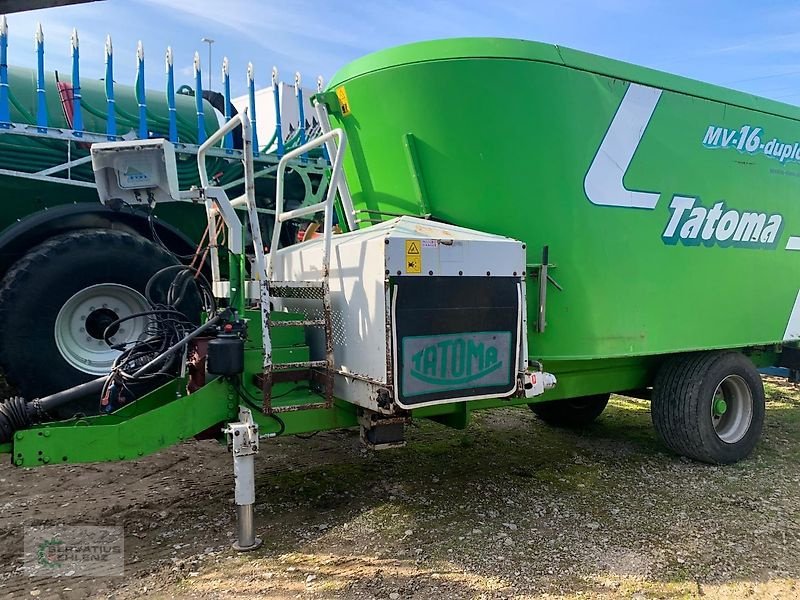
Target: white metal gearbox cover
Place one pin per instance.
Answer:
(124, 170)
(359, 288)
(416, 247)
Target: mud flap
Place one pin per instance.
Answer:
(454, 338)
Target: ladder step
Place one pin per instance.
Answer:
(300, 323)
(297, 284)
(296, 407)
(306, 364)
(305, 290)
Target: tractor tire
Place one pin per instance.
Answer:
(56, 302)
(709, 406)
(575, 412)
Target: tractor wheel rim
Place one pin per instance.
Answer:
(732, 409)
(84, 317)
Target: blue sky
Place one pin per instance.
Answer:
(749, 45)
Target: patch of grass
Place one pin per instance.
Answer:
(322, 487)
(565, 477)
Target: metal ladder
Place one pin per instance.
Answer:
(306, 290)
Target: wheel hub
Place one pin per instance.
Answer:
(98, 321)
(84, 318)
(732, 409)
(720, 407)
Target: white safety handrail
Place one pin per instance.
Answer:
(326, 205)
(214, 138)
(344, 192)
(249, 195)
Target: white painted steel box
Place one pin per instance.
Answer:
(423, 313)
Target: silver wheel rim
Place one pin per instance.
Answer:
(83, 318)
(732, 409)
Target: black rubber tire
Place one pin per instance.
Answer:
(574, 412)
(38, 285)
(683, 393)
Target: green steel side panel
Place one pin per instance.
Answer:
(121, 437)
(515, 49)
(341, 415)
(505, 135)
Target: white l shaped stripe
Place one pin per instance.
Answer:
(792, 332)
(793, 243)
(604, 182)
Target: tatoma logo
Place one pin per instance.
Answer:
(454, 361)
(693, 224)
(690, 223)
(448, 362)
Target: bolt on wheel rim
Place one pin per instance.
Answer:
(732, 409)
(84, 317)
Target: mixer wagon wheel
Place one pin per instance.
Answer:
(57, 300)
(709, 406)
(575, 412)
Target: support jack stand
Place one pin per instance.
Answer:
(243, 443)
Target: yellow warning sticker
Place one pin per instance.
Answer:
(413, 257)
(344, 103)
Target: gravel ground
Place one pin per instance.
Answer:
(508, 508)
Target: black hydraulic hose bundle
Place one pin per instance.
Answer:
(166, 326)
(142, 364)
(17, 414)
(181, 281)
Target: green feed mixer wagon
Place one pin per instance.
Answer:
(500, 223)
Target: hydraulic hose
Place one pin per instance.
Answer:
(16, 414)
(177, 346)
